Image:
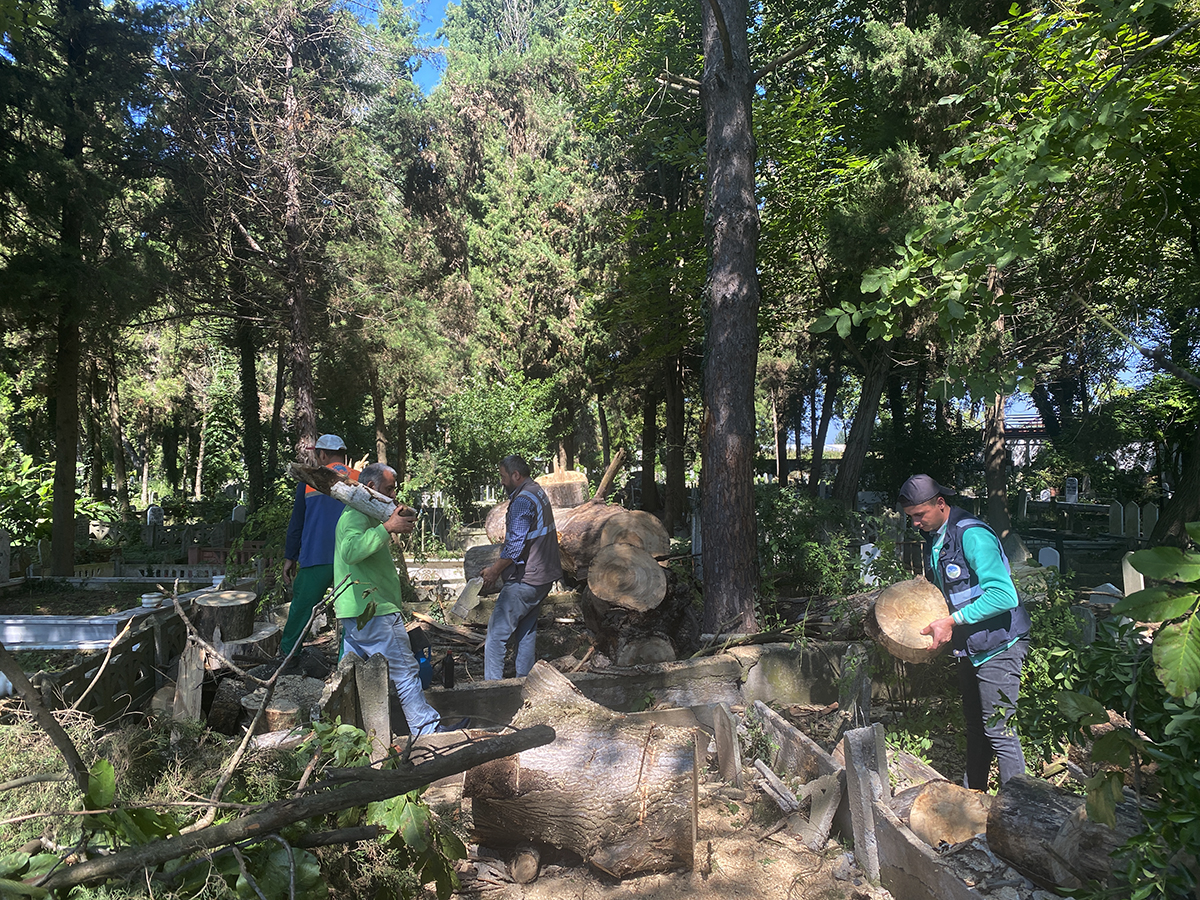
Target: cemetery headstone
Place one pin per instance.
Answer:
(1133, 579)
(239, 513)
(1023, 504)
(1116, 519)
(1072, 490)
(1048, 556)
(155, 515)
(867, 554)
(1133, 520)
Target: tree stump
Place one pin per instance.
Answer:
(1044, 833)
(565, 488)
(621, 794)
(232, 610)
(226, 710)
(631, 638)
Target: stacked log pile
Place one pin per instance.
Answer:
(638, 609)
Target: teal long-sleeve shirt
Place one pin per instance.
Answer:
(986, 560)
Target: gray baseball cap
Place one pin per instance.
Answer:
(330, 442)
(921, 489)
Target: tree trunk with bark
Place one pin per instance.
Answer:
(277, 409)
(675, 496)
(845, 485)
(627, 810)
(120, 475)
(995, 468)
(247, 349)
(381, 441)
(730, 556)
(649, 482)
(401, 465)
(95, 451)
(1184, 505)
(605, 440)
(630, 636)
(833, 381)
(1043, 831)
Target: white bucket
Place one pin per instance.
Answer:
(152, 600)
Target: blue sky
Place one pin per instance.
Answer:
(429, 15)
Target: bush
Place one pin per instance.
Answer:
(805, 542)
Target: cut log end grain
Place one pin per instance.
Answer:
(637, 527)
(565, 488)
(233, 611)
(902, 611)
(627, 576)
(946, 812)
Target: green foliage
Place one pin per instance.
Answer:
(804, 542)
(27, 496)
(488, 420)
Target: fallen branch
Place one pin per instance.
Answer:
(26, 691)
(278, 815)
(104, 665)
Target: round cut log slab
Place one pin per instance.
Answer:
(901, 611)
(942, 811)
(232, 610)
(565, 488)
(637, 527)
(627, 576)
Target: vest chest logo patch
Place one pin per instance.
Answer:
(953, 571)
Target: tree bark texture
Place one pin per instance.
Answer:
(381, 442)
(117, 432)
(649, 480)
(1184, 505)
(833, 381)
(401, 465)
(277, 408)
(845, 485)
(96, 454)
(675, 496)
(730, 557)
(247, 349)
(995, 467)
(630, 637)
(620, 794)
(365, 786)
(1036, 827)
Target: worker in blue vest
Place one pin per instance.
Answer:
(308, 553)
(987, 624)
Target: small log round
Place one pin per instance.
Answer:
(942, 811)
(525, 864)
(281, 713)
(565, 488)
(902, 611)
(637, 527)
(232, 610)
(627, 576)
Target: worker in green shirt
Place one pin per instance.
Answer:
(363, 556)
(987, 624)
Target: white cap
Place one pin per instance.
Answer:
(330, 442)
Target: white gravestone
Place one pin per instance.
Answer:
(1023, 504)
(1048, 556)
(1133, 520)
(1134, 580)
(1116, 519)
(1072, 490)
(154, 515)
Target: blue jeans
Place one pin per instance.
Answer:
(515, 617)
(387, 636)
(981, 689)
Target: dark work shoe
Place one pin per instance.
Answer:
(464, 722)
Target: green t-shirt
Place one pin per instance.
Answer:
(362, 552)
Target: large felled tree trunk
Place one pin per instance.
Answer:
(845, 485)
(620, 794)
(730, 554)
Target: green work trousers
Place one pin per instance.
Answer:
(307, 590)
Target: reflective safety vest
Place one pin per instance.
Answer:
(960, 586)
